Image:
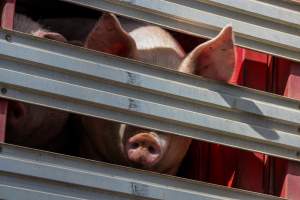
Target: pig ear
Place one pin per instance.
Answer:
(108, 36)
(50, 35)
(213, 59)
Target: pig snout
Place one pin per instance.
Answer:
(143, 150)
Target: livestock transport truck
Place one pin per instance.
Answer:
(246, 142)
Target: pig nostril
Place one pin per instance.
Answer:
(152, 150)
(16, 110)
(134, 145)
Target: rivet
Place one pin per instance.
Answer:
(8, 38)
(3, 90)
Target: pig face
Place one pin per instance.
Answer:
(132, 146)
(138, 147)
(152, 150)
(33, 125)
(213, 59)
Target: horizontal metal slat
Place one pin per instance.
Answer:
(266, 11)
(289, 4)
(9, 193)
(91, 83)
(33, 174)
(259, 30)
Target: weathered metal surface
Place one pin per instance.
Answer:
(31, 174)
(82, 81)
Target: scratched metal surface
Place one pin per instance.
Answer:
(90, 83)
(29, 174)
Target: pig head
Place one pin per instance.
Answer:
(33, 125)
(139, 147)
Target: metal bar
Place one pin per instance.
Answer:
(289, 4)
(91, 83)
(268, 12)
(258, 30)
(33, 174)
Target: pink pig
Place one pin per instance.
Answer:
(134, 146)
(32, 125)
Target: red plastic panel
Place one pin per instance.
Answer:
(291, 174)
(278, 175)
(281, 71)
(252, 172)
(251, 69)
(252, 168)
(3, 113)
(211, 163)
(195, 164)
(237, 77)
(255, 70)
(292, 88)
(227, 166)
(8, 14)
(291, 185)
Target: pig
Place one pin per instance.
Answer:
(24, 24)
(75, 29)
(138, 147)
(32, 125)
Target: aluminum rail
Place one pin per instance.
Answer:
(257, 25)
(91, 83)
(29, 174)
(289, 4)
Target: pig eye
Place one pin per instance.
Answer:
(134, 145)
